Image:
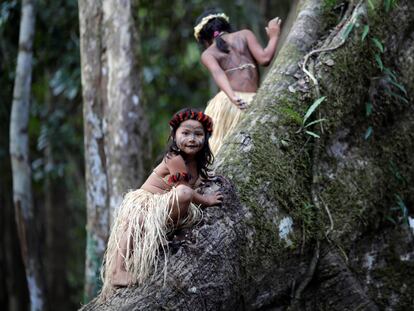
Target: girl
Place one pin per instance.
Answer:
(232, 58)
(165, 201)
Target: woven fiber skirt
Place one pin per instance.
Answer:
(225, 117)
(144, 220)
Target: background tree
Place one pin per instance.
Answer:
(116, 138)
(56, 161)
(319, 216)
(19, 152)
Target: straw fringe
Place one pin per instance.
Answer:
(225, 117)
(144, 219)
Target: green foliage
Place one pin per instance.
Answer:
(173, 77)
(55, 124)
(371, 4)
(308, 114)
(368, 133)
(348, 30)
(368, 109)
(389, 4)
(312, 108)
(379, 62)
(329, 4)
(365, 32)
(378, 44)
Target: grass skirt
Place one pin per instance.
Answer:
(144, 219)
(225, 117)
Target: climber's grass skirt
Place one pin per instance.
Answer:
(144, 220)
(225, 117)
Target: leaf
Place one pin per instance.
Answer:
(396, 172)
(368, 109)
(390, 219)
(403, 99)
(378, 44)
(312, 134)
(348, 30)
(365, 32)
(312, 108)
(390, 73)
(371, 4)
(399, 86)
(387, 4)
(368, 133)
(314, 122)
(379, 62)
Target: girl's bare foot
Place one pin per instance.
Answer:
(121, 278)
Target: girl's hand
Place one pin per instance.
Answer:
(239, 102)
(273, 27)
(214, 199)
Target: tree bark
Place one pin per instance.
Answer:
(310, 224)
(19, 151)
(116, 132)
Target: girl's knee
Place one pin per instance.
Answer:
(185, 193)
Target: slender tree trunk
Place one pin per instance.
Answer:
(310, 224)
(19, 151)
(12, 267)
(116, 138)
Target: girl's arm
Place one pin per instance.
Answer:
(179, 174)
(264, 56)
(178, 170)
(221, 79)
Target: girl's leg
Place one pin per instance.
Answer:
(120, 276)
(179, 209)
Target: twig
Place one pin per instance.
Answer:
(308, 277)
(330, 217)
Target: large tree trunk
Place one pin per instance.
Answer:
(116, 143)
(19, 152)
(310, 223)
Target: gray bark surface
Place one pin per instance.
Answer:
(305, 222)
(19, 152)
(116, 132)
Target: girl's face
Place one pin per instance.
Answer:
(190, 137)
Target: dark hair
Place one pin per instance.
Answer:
(204, 157)
(219, 24)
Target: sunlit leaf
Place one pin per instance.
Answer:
(387, 4)
(399, 97)
(365, 32)
(378, 44)
(368, 133)
(371, 4)
(379, 62)
(348, 30)
(368, 109)
(399, 86)
(390, 73)
(314, 122)
(312, 134)
(391, 220)
(312, 108)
